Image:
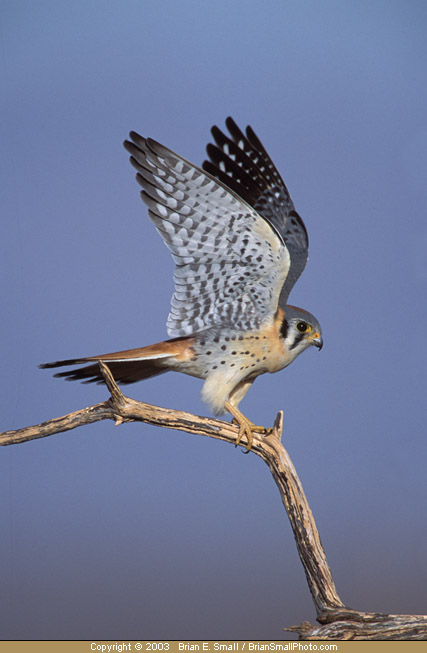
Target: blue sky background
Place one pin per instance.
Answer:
(137, 532)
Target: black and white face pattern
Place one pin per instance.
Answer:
(299, 330)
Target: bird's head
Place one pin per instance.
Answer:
(299, 330)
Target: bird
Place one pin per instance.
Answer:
(239, 247)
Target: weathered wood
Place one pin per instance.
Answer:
(353, 625)
(337, 621)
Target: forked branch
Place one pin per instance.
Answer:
(337, 621)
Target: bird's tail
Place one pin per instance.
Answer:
(130, 365)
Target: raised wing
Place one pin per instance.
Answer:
(230, 263)
(242, 163)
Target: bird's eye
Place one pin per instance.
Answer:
(303, 327)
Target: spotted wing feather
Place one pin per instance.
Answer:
(241, 162)
(230, 263)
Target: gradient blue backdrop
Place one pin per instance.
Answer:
(137, 532)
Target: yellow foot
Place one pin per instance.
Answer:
(246, 427)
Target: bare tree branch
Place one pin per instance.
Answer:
(353, 625)
(337, 621)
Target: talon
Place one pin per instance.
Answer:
(246, 427)
(245, 430)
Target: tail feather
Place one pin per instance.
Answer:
(127, 366)
(123, 373)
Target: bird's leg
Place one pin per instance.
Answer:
(246, 427)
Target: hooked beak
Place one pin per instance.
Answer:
(316, 340)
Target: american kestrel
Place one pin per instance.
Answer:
(239, 247)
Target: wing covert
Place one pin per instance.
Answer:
(230, 263)
(241, 162)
